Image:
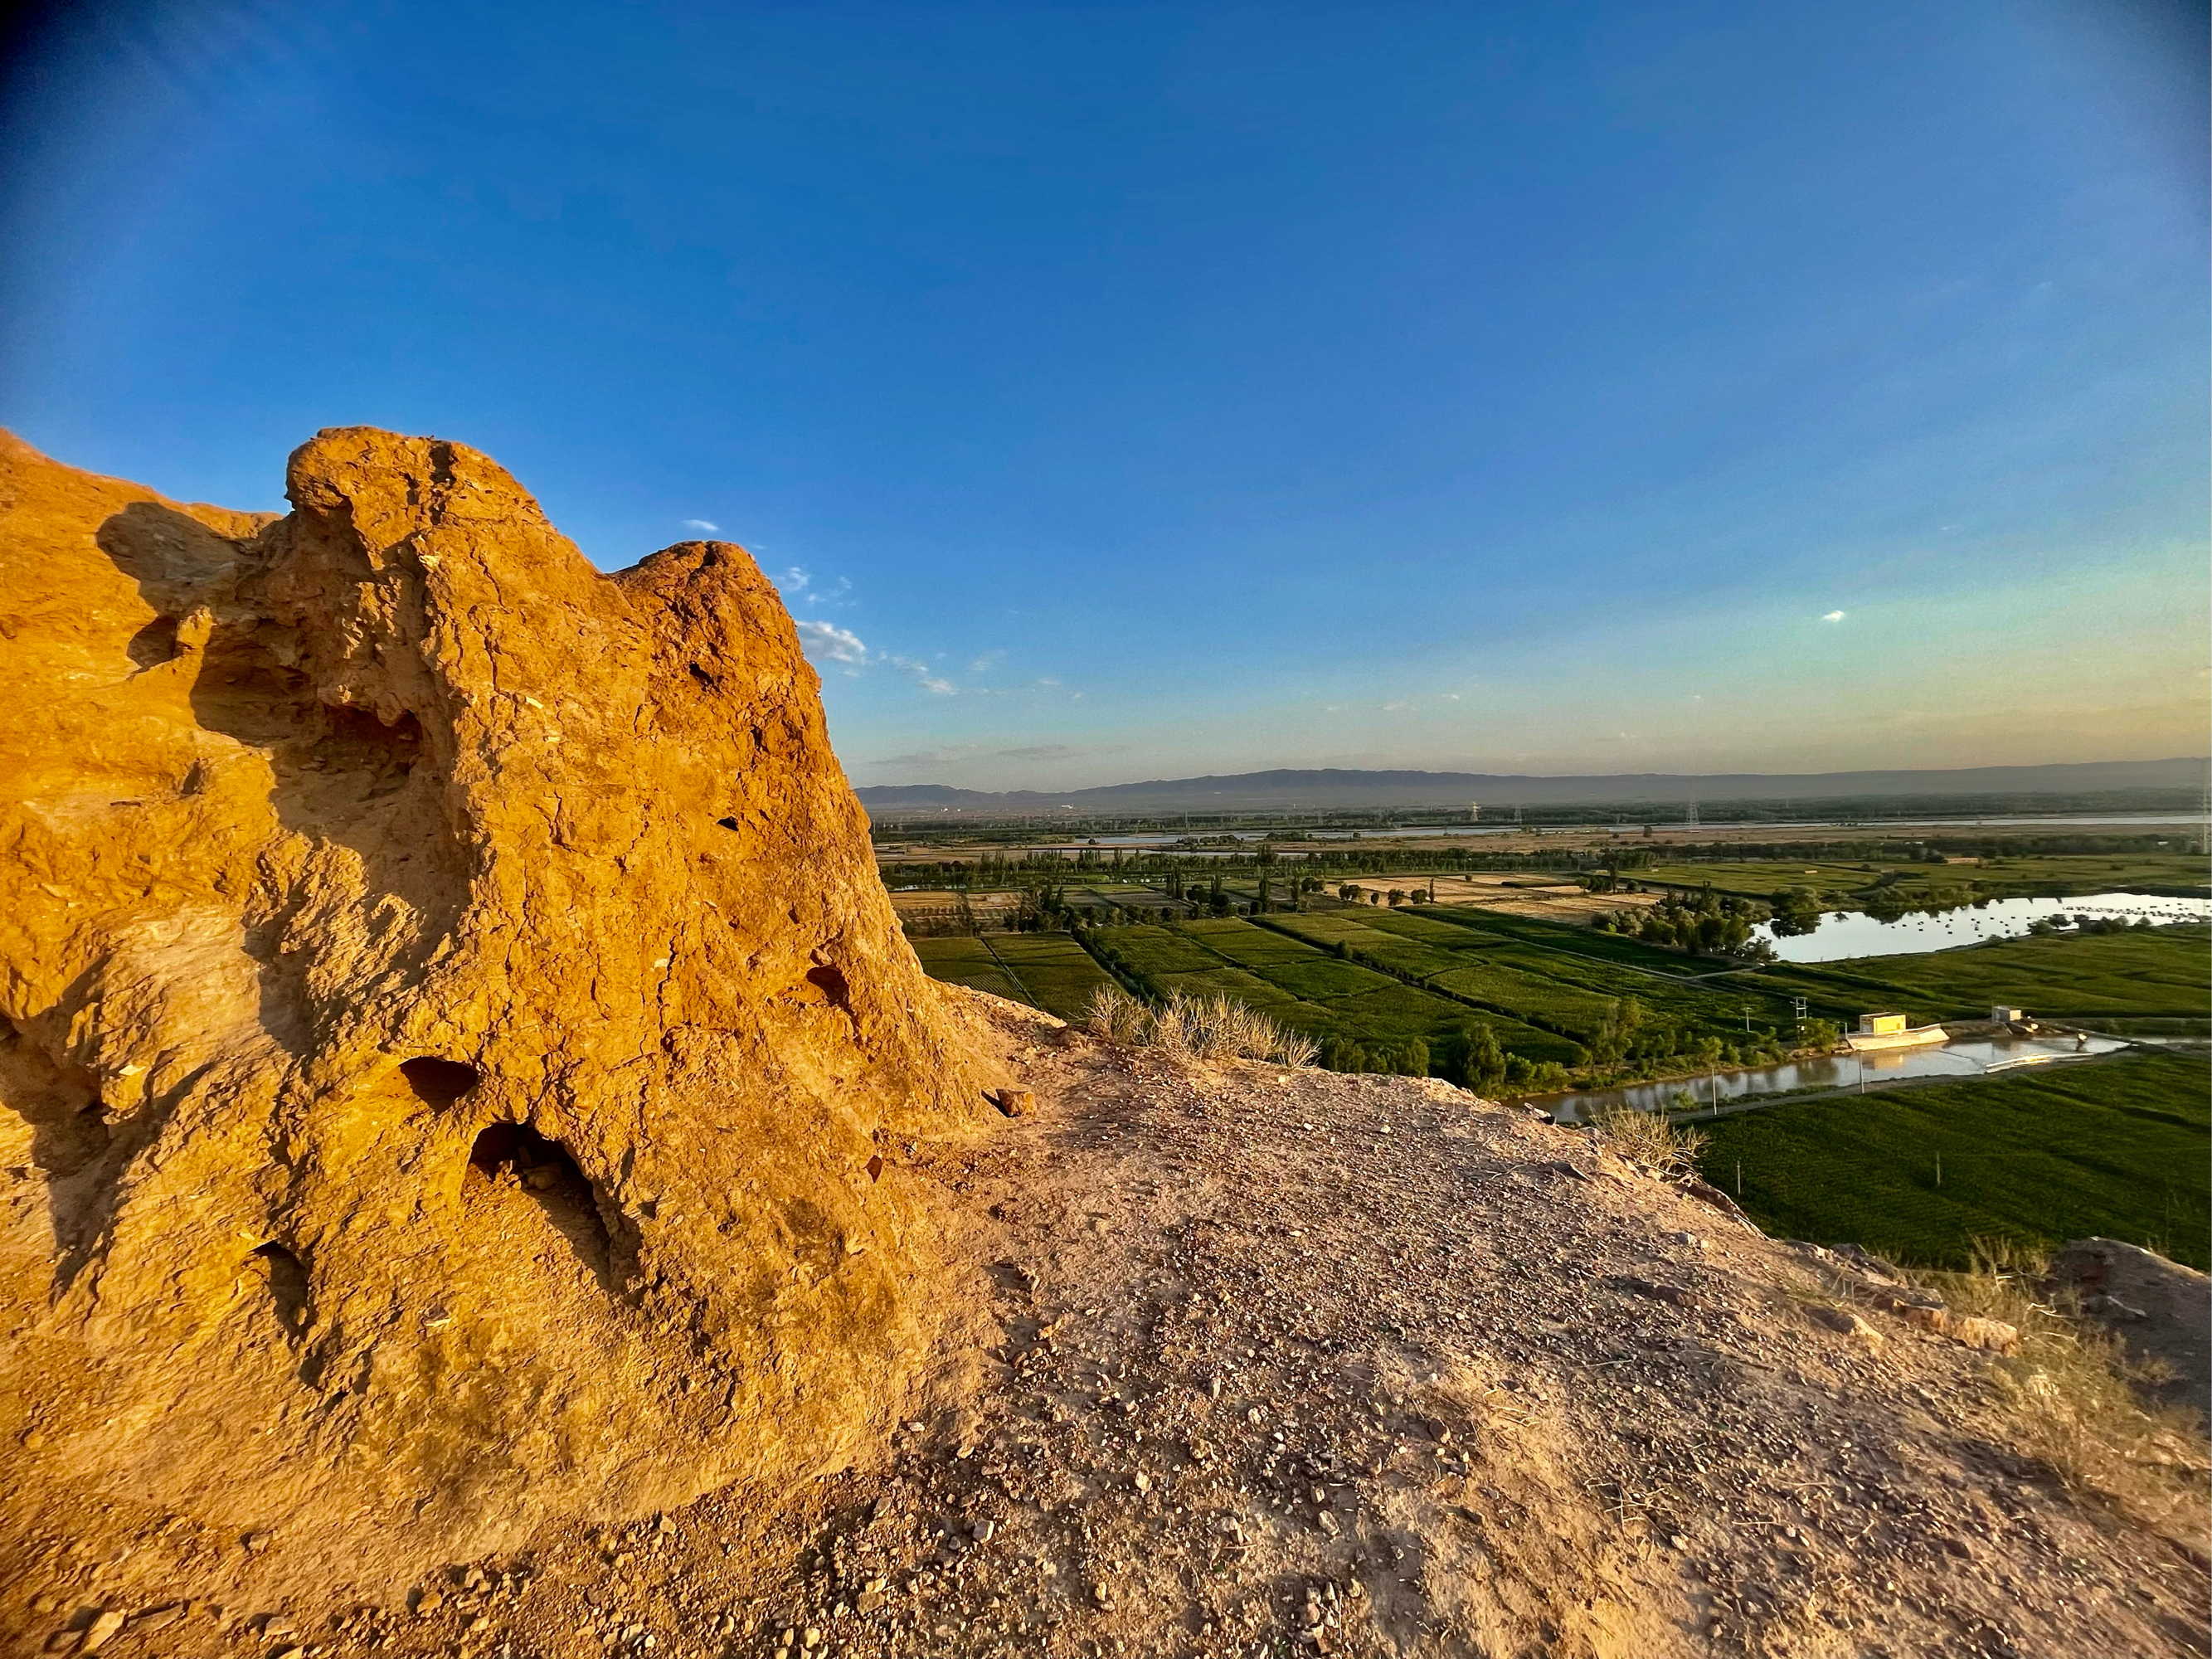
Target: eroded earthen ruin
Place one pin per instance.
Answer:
(456, 1050)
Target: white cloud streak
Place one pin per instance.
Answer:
(823, 639)
(923, 676)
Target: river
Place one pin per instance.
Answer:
(1974, 1058)
(1846, 933)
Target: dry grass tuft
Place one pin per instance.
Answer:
(1648, 1141)
(1205, 1028)
(1116, 1015)
(2069, 1397)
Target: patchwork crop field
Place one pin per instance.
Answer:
(1560, 979)
(1386, 977)
(1057, 972)
(968, 961)
(1049, 971)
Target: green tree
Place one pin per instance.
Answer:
(1623, 1018)
(1472, 1058)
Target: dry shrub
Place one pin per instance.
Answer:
(1221, 1027)
(2069, 1396)
(1647, 1140)
(1171, 1024)
(1205, 1028)
(1115, 1015)
(1294, 1048)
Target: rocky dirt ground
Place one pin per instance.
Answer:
(1261, 1362)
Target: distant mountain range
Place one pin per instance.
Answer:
(1332, 789)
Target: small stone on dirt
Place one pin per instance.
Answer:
(1843, 1320)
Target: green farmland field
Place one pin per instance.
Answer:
(2050, 875)
(2148, 974)
(1545, 989)
(1049, 971)
(1059, 974)
(2119, 1147)
(1186, 957)
(1562, 980)
(1308, 988)
(962, 961)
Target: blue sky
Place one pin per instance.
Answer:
(1152, 390)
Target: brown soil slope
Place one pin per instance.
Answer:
(450, 1025)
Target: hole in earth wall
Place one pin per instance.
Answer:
(831, 983)
(439, 1082)
(288, 1285)
(543, 1169)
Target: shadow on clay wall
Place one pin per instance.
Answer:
(338, 775)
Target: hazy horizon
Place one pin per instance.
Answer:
(1171, 390)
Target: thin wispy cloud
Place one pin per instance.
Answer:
(1832, 617)
(706, 525)
(798, 586)
(1046, 751)
(825, 641)
(925, 676)
(956, 753)
(822, 639)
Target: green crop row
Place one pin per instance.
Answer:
(1060, 975)
(2119, 1148)
(1312, 989)
(965, 961)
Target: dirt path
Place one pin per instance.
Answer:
(1259, 1362)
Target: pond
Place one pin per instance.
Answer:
(1973, 1058)
(1846, 933)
